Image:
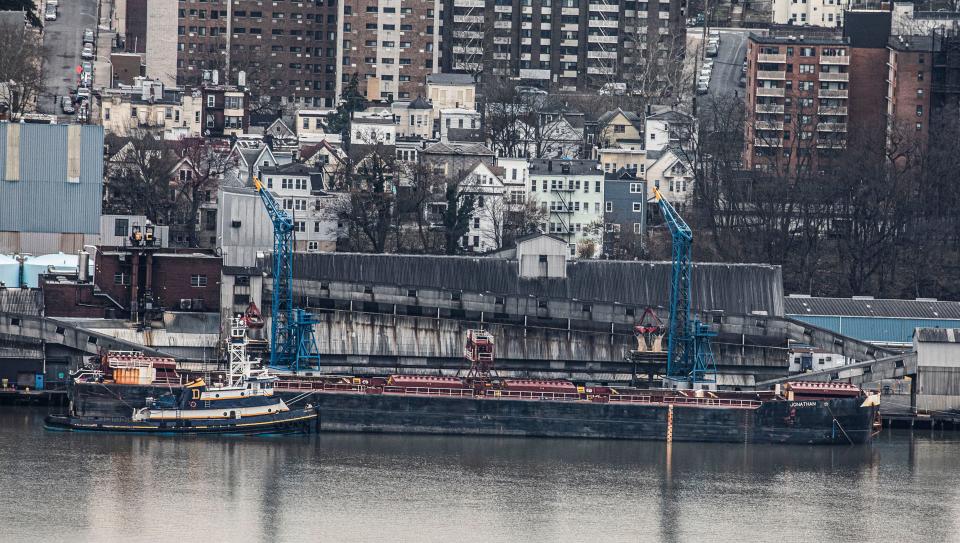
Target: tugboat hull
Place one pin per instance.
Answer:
(298, 421)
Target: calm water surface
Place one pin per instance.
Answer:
(57, 486)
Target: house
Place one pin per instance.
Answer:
(451, 91)
(616, 158)
(485, 233)
(571, 193)
(147, 105)
(300, 191)
(225, 110)
(278, 131)
(325, 157)
(310, 124)
(515, 175)
(672, 174)
(414, 119)
(247, 158)
(624, 212)
(450, 158)
(373, 127)
(619, 128)
(456, 118)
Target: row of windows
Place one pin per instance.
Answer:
(572, 184)
(123, 279)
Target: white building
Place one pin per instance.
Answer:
(828, 13)
(571, 193)
(310, 124)
(457, 118)
(413, 119)
(452, 91)
(300, 191)
(149, 105)
(486, 226)
(516, 172)
(374, 127)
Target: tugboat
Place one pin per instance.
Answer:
(245, 404)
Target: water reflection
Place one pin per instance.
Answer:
(355, 487)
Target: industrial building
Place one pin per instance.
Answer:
(51, 179)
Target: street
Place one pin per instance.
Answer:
(728, 63)
(63, 40)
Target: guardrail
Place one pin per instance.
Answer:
(750, 404)
(430, 391)
(533, 395)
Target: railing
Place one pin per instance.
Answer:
(680, 400)
(770, 74)
(430, 391)
(832, 93)
(532, 395)
(778, 59)
(630, 398)
(770, 91)
(835, 60)
(830, 76)
(769, 108)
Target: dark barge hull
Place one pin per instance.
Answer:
(299, 421)
(837, 421)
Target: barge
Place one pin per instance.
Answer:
(480, 403)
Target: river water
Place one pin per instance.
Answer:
(59, 486)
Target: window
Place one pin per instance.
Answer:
(312, 245)
(637, 207)
(919, 127)
(198, 280)
(299, 226)
(919, 111)
(596, 186)
(636, 227)
(211, 100)
(120, 227)
(619, 128)
(609, 207)
(121, 279)
(806, 68)
(636, 188)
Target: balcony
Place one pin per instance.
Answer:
(831, 127)
(600, 70)
(773, 59)
(601, 54)
(775, 75)
(769, 108)
(774, 92)
(832, 144)
(834, 76)
(835, 60)
(831, 93)
(603, 6)
(761, 142)
(593, 38)
(826, 110)
(603, 23)
(769, 125)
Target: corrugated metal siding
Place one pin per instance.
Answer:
(240, 245)
(734, 288)
(915, 309)
(22, 301)
(42, 200)
(875, 329)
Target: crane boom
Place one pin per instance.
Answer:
(689, 353)
(292, 341)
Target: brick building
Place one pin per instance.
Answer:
(868, 32)
(796, 101)
(392, 46)
(129, 280)
(570, 45)
(287, 49)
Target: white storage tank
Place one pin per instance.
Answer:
(9, 271)
(35, 266)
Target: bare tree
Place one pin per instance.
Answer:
(21, 69)
(206, 163)
(138, 180)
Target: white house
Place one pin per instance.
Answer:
(457, 118)
(300, 191)
(486, 226)
(828, 13)
(413, 119)
(373, 127)
(571, 193)
(247, 159)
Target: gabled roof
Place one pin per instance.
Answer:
(622, 174)
(420, 103)
(670, 116)
(477, 149)
(290, 169)
(632, 117)
(279, 128)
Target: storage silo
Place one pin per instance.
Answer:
(35, 266)
(9, 271)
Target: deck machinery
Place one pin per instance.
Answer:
(689, 351)
(293, 344)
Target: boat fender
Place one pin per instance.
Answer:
(193, 404)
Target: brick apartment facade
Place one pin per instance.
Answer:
(868, 32)
(288, 48)
(568, 45)
(392, 46)
(796, 100)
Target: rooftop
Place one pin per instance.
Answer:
(869, 307)
(546, 166)
(465, 148)
(450, 79)
(290, 169)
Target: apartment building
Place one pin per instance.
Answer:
(923, 84)
(392, 46)
(828, 13)
(288, 49)
(567, 44)
(148, 105)
(571, 194)
(796, 101)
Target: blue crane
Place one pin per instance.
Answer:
(292, 341)
(689, 350)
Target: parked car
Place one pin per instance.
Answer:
(83, 94)
(88, 37)
(87, 67)
(87, 53)
(702, 88)
(66, 105)
(51, 13)
(86, 79)
(712, 50)
(742, 82)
